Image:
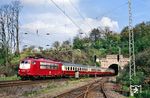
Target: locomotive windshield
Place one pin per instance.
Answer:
(24, 62)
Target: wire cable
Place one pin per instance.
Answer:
(114, 9)
(79, 12)
(111, 11)
(66, 15)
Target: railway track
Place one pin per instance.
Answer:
(84, 91)
(27, 82)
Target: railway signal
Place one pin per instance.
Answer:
(95, 57)
(118, 57)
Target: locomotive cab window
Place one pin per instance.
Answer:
(25, 62)
(22, 62)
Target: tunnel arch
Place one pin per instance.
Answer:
(115, 67)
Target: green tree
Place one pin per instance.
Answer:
(66, 44)
(95, 34)
(56, 45)
(78, 43)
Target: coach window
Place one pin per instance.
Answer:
(46, 67)
(80, 68)
(70, 68)
(55, 66)
(83, 69)
(86, 69)
(51, 67)
(73, 68)
(65, 68)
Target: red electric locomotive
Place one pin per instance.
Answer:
(40, 67)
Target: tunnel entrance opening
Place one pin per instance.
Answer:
(115, 68)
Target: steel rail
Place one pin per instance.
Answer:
(83, 91)
(27, 82)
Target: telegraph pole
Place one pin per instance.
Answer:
(132, 71)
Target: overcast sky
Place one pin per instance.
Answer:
(44, 16)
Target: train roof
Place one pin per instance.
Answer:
(41, 59)
(78, 65)
(71, 64)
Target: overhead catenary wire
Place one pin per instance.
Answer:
(28, 44)
(66, 15)
(113, 9)
(79, 12)
(36, 34)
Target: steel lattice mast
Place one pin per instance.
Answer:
(132, 71)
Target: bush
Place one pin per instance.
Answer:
(144, 94)
(8, 70)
